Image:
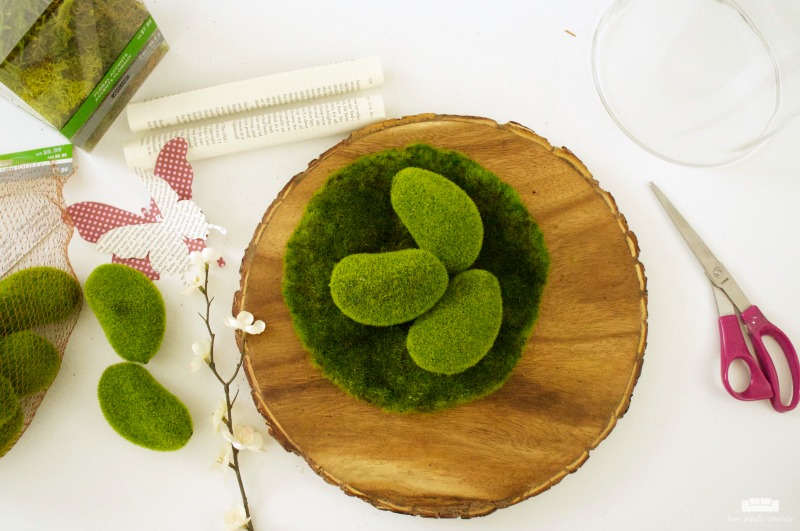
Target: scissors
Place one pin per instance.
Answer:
(733, 305)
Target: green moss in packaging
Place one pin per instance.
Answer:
(29, 361)
(11, 430)
(35, 296)
(9, 403)
(68, 49)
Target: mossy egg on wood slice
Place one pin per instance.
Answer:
(142, 410)
(462, 327)
(440, 216)
(385, 289)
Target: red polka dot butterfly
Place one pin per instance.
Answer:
(160, 239)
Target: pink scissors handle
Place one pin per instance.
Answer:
(732, 348)
(757, 327)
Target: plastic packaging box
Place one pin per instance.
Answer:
(74, 64)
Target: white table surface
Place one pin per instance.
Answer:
(684, 456)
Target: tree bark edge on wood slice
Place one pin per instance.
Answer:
(575, 379)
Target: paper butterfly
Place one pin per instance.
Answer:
(160, 240)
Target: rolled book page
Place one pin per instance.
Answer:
(253, 94)
(262, 130)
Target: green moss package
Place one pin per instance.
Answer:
(75, 63)
(30, 298)
(414, 279)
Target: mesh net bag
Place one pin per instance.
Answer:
(39, 293)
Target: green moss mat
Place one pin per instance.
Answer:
(352, 213)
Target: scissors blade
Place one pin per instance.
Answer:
(724, 304)
(716, 272)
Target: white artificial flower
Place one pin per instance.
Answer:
(200, 258)
(196, 259)
(219, 416)
(255, 328)
(245, 322)
(236, 518)
(202, 354)
(194, 278)
(210, 255)
(245, 438)
(224, 458)
(195, 275)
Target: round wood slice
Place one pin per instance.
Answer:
(573, 382)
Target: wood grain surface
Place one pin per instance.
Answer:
(573, 382)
